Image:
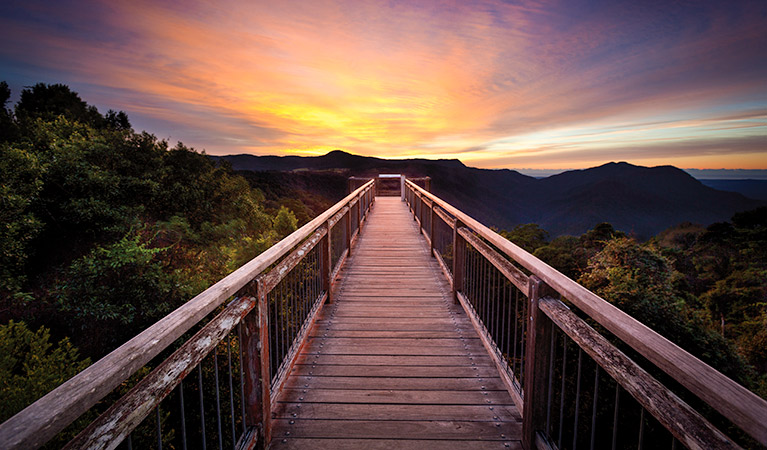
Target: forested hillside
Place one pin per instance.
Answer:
(704, 288)
(640, 200)
(104, 231)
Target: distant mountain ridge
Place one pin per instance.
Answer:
(635, 199)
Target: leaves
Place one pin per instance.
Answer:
(30, 366)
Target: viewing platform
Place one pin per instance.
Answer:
(395, 320)
(393, 362)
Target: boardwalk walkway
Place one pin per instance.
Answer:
(393, 362)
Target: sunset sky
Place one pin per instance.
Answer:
(545, 84)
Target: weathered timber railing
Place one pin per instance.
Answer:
(268, 306)
(569, 380)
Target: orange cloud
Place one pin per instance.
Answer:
(496, 84)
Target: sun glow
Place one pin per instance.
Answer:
(492, 83)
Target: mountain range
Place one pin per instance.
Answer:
(639, 200)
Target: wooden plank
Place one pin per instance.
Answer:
(738, 404)
(462, 371)
(373, 348)
(363, 326)
(367, 333)
(384, 360)
(399, 342)
(400, 383)
(412, 429)
(409, 313)
(289, 442)
(468, 413)
(689, 427)
(394, 396)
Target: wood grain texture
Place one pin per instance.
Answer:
(393, 362)
(122, 417)
(685, 424)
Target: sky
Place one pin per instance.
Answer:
(512, 84)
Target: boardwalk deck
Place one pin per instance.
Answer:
(393, 362)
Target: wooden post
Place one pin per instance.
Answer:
(359, 212)
(427, 184)
(537, 359)
(459, 260)
(421, 212)
(348, 224)
(255, 366)
(431, 229)
(326, 257)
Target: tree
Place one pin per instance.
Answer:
(30, 366)
(8, 129)
(119, 289)
(21, 175)
(49, 101)
(285, 222)
(639, 280)
(563, 254)
(529, 236)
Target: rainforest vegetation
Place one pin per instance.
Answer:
(104, 230)
(704, 288)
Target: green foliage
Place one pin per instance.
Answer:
(123, 281)
(21, 181)
(639, 280)
(285, 222)
(529, 236)
(30, 366)
(108, 227)
(570, 255)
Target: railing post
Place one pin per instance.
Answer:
(255, 367)
(326, 266)
(421, 213)
(359, 213)
(459, 260)
(431, 229)
(537, 359)
(348, 224)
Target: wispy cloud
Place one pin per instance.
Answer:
(494, 83)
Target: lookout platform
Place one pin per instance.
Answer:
(394, 362)
(397, 322)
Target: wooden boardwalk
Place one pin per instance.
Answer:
(393, 362)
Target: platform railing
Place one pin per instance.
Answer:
(218, 387)
(573, 386)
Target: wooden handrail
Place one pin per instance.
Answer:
(679, 418)
(42, 420)
(741, 406)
